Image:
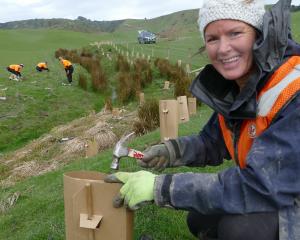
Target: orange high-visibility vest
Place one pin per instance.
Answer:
(66, 63)
(282, 86)
(15, 67)
(42, 65)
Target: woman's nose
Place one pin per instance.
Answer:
(224, 45)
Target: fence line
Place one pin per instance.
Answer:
(135, 54)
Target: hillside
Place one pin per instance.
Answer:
(183, 21)
(81, 24)
(178, 21)
(39, 103)
(169, 26)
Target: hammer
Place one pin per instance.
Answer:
(121, 150)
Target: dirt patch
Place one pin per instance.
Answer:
(64, 144)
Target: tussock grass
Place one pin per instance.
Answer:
(143, 72)
(122, 65)
(181, 82)
(82, 81)
(148, 117)
(163, 66)
(91, 63)
(99, 80)
(126, 87)
(175, 74)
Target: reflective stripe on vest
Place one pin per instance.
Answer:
(281, 87)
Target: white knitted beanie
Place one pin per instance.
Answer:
(248, 11)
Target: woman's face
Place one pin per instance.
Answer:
(229, 47)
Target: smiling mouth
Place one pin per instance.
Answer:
(229, 60)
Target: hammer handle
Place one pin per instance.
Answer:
(135, 154)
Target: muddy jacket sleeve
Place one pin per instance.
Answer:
(206, 148)
(269, 182)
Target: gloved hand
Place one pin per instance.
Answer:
(138, 188)
(156, 157)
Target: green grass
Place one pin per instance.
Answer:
(40, 102)
(39, 212)
(183, 48)
(32, 46)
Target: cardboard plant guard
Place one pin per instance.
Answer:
(89, 213)
(192, 106)
(167, 85)
(142, 98)
(183, 113)
(168, 119)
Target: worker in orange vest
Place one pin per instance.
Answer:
(42, 66)
(68, 68)
(252, 83)
(15, 70)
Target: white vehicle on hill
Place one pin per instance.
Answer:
(146, 37)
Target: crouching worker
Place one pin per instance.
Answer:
(42, 66)
(253, 86)
(68, 68)
(15, 70)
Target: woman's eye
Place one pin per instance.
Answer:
(209, 40)
(235, 34)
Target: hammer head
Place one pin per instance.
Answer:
(120, 150)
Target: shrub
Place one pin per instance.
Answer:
(87, 63)
(122, 64)
(142, 68)
(137, 81)
(86, 53)
(61, 53)
(181, 86)
(175, 74)
(99, 81)
(108, 104)
(148, 117)
(82, 81)
(164, 67)
(125, 89)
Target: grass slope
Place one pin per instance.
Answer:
(39, 212)
(40, 102)
(29, 46)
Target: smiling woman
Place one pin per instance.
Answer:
(229, 47)
(253, 85)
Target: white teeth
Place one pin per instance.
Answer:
(229, 60)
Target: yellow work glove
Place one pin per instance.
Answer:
(138, 188)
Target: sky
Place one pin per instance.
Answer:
(101, 10)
